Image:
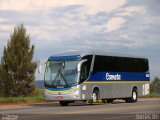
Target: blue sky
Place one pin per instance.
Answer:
(124, 26)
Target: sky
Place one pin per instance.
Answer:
(123, 26)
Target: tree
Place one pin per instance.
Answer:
(155, 85)
(17, 63)
(2, 82)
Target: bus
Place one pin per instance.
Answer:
(92, 75)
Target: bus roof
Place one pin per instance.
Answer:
(73, 54)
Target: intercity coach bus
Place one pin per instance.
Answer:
(95, 75)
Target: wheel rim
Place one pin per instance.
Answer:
(94, 97)
(134, 95)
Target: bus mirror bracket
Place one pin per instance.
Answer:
(80, 64)
(40, 69)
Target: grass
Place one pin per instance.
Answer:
(37, 96)
(152, 95)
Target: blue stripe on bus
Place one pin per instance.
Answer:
(71, 57)
(125, 76)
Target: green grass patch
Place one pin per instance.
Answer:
(37, 96)
(153, 95)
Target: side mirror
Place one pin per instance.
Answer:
(40, 69)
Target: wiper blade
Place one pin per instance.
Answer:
(51, 86)
(64, 79)
(60, 73)
(73, 83)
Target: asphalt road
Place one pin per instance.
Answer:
(144, 108)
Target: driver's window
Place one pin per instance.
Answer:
(85, 68)
(84, 72)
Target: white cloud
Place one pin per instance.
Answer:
(46, 28)
(93, 6)
(6, 27)
(56, 25)
(149, 19)
(115, 23)
(25, 5)
(103, 5)
(154, 68)
(128, 11)
(3, 20)
(5, 31)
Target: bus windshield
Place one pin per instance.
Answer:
(61, 74)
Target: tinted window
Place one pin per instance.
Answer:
(119, 64)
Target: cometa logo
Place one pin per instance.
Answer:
(113, 77)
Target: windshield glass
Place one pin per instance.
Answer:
(61, 73)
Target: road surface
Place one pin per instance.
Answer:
(144, 108)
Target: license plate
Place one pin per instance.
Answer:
(59, 97)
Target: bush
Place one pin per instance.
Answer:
(37, 96)
(155, 85)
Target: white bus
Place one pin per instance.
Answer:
(95, 75)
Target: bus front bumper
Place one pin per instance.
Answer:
(62, 96)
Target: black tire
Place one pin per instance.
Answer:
(133, 98)
(95, 96)
(63, 103)
(104, 101)
(127, 100)
(110, 101)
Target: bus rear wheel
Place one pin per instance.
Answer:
(133, 98)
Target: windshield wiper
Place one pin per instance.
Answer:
(64, 79)
(48, 85)
(60, 73)
(75, 83)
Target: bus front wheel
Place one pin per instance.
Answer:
(95, 97)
